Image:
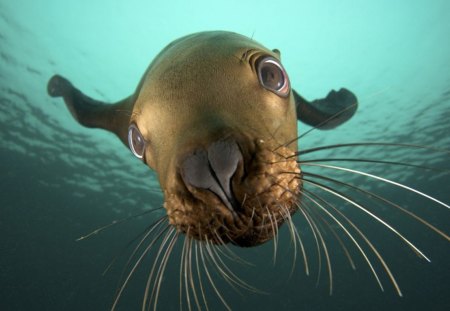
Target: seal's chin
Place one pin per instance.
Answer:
(265, 190)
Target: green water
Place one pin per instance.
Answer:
(60, 181)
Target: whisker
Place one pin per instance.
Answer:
(212, 282)
(147, 232)
(143, 233)
(272, 226)
(305, 259)
(366, 144)
(231, 255)
(365, 210)
(437, 169)
(227, 272)
(382, 199)
(191, 278)
(138, 262)
(116, 222)
(295, 236)
(263, 222)
(381, 179)
(325, 250)
(275, 232)
(309, 195)
(373, 248)
(318, 126)
(163, 266)
(287, 218)
(183, 254)
(199, 276)
(316, 240)
(218, 267)
(166, 238)
(185, 269)
(341, 243)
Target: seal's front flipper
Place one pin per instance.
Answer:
(93, 113)
(328, 112)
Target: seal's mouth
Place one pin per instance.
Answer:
(230, 193)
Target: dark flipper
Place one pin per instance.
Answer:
(92, 113)
(329, 112)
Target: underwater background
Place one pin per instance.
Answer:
(59, 181)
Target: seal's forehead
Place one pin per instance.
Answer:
(223, 41)
(201, 65)
(203, 76)
(214, 44)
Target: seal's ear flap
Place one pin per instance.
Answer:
(92, 113)
(328, 112)
(277, 51)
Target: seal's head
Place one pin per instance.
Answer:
(212, 118)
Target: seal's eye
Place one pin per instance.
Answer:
(136, 141)
(273, 77)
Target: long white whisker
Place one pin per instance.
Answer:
(345, 198)
(182, 259)
(366, 144)
(290, 225)
(231, 255)
(163, 266)
(191, 277)
(116, 222)
(199, 275)
(325, 250)
(363, 160)
(212, 282)
(369, 263)
(150, 277)
(382, 179)
(316, 240)
(147, 233)
(275, 238)
(227, 272)
(186, 269)
(316, 126)
(219, 268)
(138, 261)
(302, 247)
(382, 199)
(341, 243)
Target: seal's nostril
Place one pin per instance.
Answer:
(224, 157)
(213, 169)
(196, 172)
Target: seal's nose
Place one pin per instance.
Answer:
(213, 169)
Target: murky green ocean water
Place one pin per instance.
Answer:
(60, 181)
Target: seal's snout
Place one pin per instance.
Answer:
(233, 190)
(213, 169)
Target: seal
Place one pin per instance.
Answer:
(215, 116)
